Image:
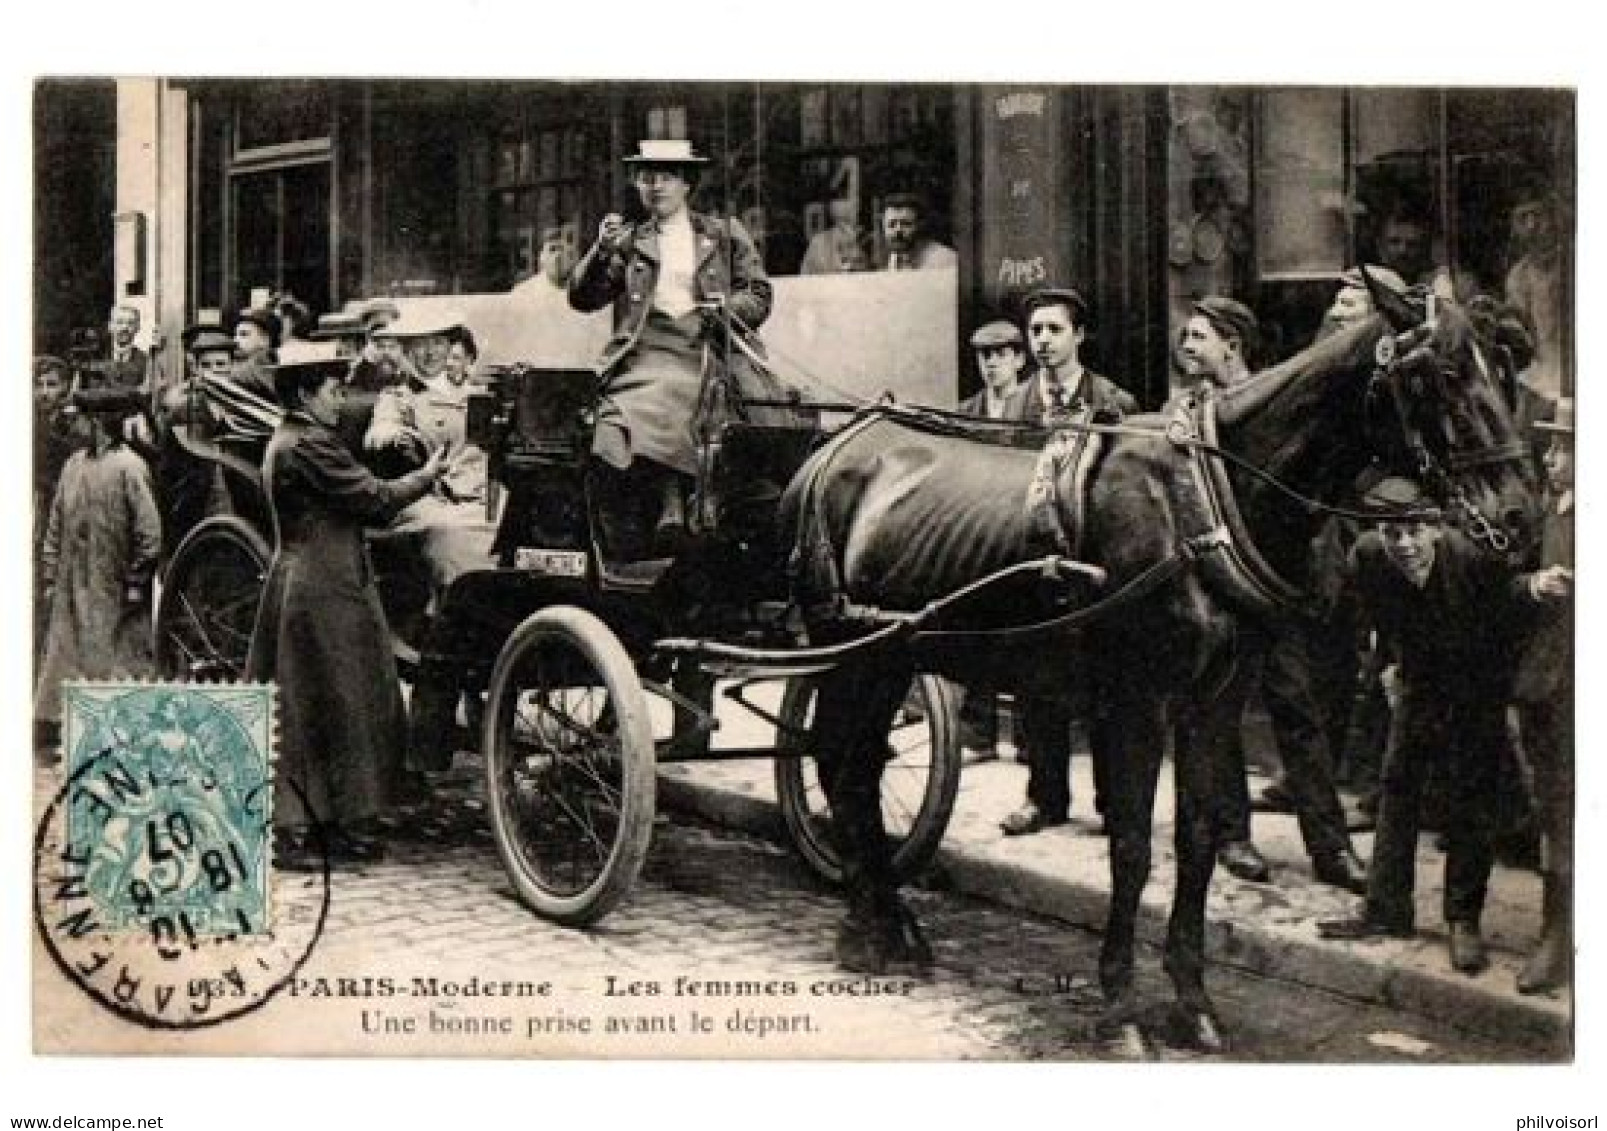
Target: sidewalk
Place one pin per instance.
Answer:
(1267, 929)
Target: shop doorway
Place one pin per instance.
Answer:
(283, 234)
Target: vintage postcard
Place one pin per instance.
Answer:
(803, 570)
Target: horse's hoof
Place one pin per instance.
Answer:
(1199, 1029)
(910, 946)
(861, 950)
(884, 946)
(1124, 1040)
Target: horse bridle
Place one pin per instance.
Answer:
(1392, 371)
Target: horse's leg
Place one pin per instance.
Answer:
(853, 715)
(1219, 704)
(1130, 743)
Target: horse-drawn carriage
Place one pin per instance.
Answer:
(554, 647)
(899, 546)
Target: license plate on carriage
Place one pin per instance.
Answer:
(555, 563)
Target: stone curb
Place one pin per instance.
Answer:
(1370, 973)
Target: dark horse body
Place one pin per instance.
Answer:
(905, 517)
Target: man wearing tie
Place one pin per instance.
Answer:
(908, 248)
(1057, 325)
(127, 364)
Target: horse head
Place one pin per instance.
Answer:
(1447, 387)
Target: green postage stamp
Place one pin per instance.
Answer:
(171, 806)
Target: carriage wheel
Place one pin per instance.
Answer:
(918, 787)
(208, 604)
(569, 765)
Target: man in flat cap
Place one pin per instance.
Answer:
(1001, 355)
(1218, 339)
(1353, 302)
(189, 488)
(1446, 615)
(906, 246)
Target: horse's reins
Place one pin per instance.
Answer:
(1175, 432)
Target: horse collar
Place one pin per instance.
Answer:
(1217, 536)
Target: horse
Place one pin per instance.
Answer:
(1201, 522)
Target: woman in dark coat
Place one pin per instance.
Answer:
(680, 282)
(320, 632)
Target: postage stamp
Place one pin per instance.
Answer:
(153, 860)
(172, 809)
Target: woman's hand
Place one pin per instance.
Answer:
(614, 234)
(437, 464)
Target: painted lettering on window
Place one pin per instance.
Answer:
(1022, 272)
(1021, 102)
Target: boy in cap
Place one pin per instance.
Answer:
(1545, 699)
(102, 541)
(1001, 357)
(1217, 341)
(190, 488)
(1445, 614)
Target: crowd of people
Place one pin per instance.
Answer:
(1392, 692)
(122, 472)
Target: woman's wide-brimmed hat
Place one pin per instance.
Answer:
(666, 152)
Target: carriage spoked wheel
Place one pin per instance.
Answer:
(569, 765)
(918, 787)
(208, 604)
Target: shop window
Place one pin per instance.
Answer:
(281, 233)
(813, 157)
(273, 117)
(666, 122)
(538, 181)
(1334, 170)
(1300, 185)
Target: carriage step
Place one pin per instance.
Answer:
(635, 576)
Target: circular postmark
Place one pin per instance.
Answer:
(154, 887)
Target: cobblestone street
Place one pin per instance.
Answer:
(717, 906)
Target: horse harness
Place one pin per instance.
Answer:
(1391, 374)
(1213, 534)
